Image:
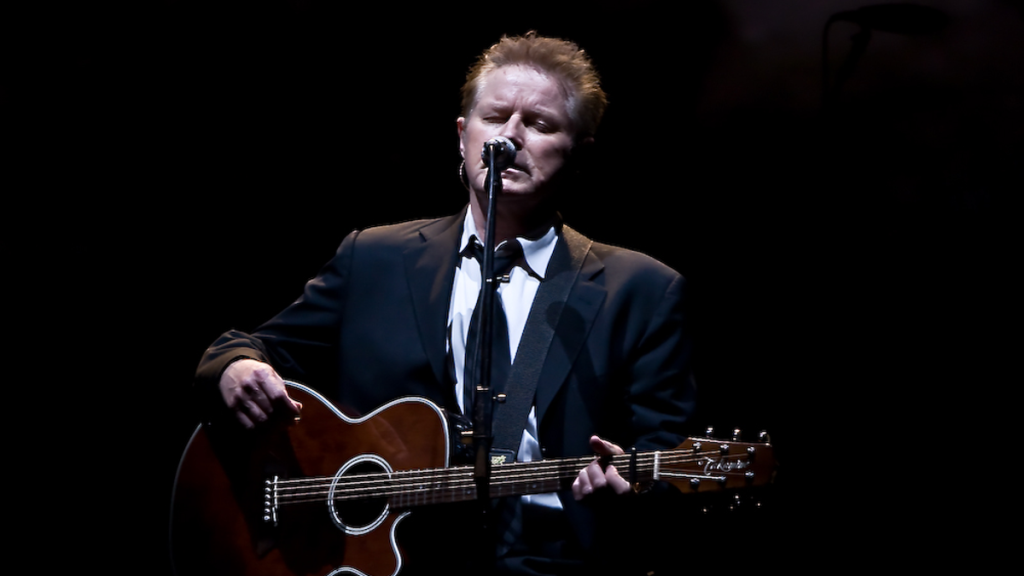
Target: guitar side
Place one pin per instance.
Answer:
(223, 524)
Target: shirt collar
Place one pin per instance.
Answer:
(537, 251)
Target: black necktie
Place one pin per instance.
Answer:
(505, 258)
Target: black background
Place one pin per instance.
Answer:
(187, 166)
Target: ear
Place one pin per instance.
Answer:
(462, 145)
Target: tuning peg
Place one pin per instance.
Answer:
(735, 434)
(710, 431)
(764, 437)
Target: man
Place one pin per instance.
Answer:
(391, 314)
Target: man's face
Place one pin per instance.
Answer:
(529, 108)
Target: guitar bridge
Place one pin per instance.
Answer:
(270, 501)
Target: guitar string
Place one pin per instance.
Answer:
(436, 485)
(443, 480)
(358, 486)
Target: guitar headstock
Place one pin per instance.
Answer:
(709, 465)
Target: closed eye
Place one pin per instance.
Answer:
(544, 127)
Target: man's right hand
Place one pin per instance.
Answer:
(253, 392)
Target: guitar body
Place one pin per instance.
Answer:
(222, 523)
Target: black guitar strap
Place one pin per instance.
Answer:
(510, 416)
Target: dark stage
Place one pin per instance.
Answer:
(849, 264)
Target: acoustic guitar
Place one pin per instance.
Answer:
(323, 495)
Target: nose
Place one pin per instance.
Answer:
(513, 130)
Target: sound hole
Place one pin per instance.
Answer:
(355, 509)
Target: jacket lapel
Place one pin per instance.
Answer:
(577, 317)
(430, 268)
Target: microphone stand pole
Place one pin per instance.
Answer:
(482, 402)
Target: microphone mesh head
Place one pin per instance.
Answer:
(504, 152)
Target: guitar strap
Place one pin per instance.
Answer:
(511, 416)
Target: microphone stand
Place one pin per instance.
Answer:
(482, 402)
(498, 153)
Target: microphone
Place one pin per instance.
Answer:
(504, 152)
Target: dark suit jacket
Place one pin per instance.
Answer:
(372, 327)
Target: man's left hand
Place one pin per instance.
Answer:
(594, 477)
